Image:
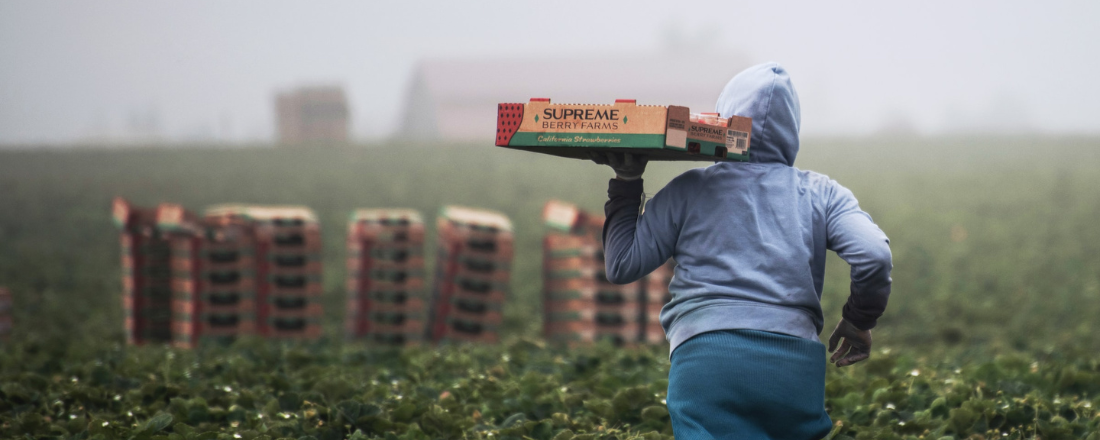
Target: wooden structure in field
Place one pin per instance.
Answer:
(312, 115)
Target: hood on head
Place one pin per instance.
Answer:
(764, 93)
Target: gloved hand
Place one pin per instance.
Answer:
(627, 166)
(856, 346)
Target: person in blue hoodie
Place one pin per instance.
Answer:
(749, 240)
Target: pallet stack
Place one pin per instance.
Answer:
(473, 272)
(580, 304)
(287, 257)
(213, 277)
(386, 285)
(570, 251)
(146, 274)
(6, 306)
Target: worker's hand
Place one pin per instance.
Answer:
(627, 166)
(856, 346)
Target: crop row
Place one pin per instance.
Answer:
(522, 389)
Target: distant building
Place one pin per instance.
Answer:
(312, 115)
(457, 99)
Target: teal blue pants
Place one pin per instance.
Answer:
(748, 384)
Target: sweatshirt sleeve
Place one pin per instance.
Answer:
(855, 238)
(634, 244)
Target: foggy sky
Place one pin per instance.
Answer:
(75, 70)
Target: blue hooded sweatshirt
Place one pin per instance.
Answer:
(749, 238)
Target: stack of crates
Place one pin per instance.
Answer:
(571, 256)
(386, 286)
(619, 310)
(213, 277)
(287, 262)
(5, 313)
(146, 274)
(580, 305)
(473, 272)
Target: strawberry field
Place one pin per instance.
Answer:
(991, 331)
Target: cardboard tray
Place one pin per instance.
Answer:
(658, 132)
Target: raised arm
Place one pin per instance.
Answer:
(635, 244)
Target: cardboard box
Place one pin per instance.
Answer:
(659, 132)
(695, 138)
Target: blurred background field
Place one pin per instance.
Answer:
(947, 120)
(995, 240)
(991, 328)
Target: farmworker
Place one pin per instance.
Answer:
(750, 240)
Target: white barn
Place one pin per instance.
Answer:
(457, 99)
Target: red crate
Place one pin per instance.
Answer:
(560, 245)
(377, 232)
(571, 284)
(414, 285)
(411, 305)
(452, 228)
(472, 274)
(408, 339)
(573, 263)
(410, 324)
(213, 325)
(588, 293)
(310, 268)
(493, 296)
(477, 247)
(653, 312)
(470, 289)
(463, 272)
(652, 295)
(476, 311)
(366, 284)
(243, 283)
(312, 331)
(290, 327)
(622, 335)
(243, 304)
(459, 331)
(382, 249)
(366, 264)
(311, 288)
(290, 241)
(568, 305)
(310, 310)
(187, 264)
(654, 334)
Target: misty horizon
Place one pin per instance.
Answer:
(208, 72)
